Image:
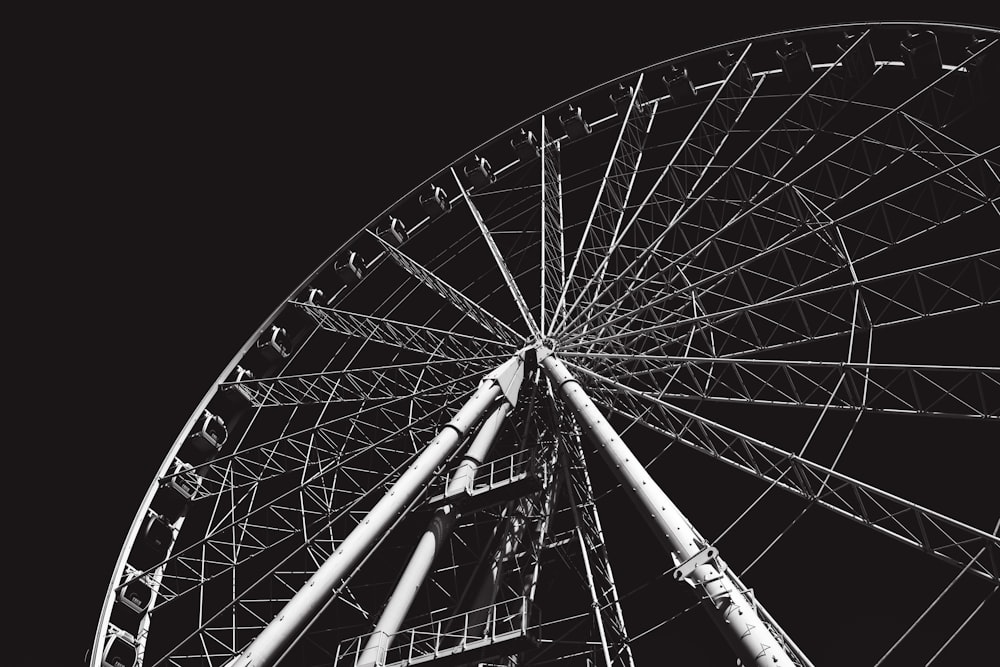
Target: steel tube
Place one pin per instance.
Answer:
(437, 533)
(321, 588)
(724, 597)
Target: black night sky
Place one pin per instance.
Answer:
(186, 175)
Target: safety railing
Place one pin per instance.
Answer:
(515, 469)
(488, 632)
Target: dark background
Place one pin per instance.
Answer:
(183, 175)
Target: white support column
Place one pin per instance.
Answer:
(437, 533)
(299, 612)
(698, 563)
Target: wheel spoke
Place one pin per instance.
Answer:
(758, 151)
(417, 338)
(381, 383)
(819, 168)
(873, 233)
(824, 169)
(515, 292)
(455, 297)
(908, 389)
(553, 246)
(603, 229)
(691, 160)
(909, 523)
(940, 288)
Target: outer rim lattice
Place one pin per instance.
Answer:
(628, 399)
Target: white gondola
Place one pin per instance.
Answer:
(395, 232)
(436, 202)
(206, 439)
(860, 62)
(921, 54)
(274, 345)
(136, 594)
(525, 146)
(679, 86)
(351, 268)
(157, 534)
(479, 172)
(795, 61)
(573, 123)
(119, 649)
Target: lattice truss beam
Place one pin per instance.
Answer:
(337, 471)
(951, 391)
(421, 381)
(487, 320)
(605, 226)
(553, 245)
(935, 289)
(754, 237)
(794, 184)
(909, 523)
(435, 343)
(636, 242)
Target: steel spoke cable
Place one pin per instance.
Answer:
(786, 245)
(789, 298)
(561, 308)
(565, 320)
(288, 493)
(665, 621)
(777, 480)
(876, 495)
(961, 626)
(515, 291)
(898, 108)
(801, 453)
(926, 611)
(299, 547)
(810, 503)
(752, 146)
(820, 227)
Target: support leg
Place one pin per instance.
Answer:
(698, 563)
(299, 612)
(437, 533)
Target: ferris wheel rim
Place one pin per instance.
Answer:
(230, 367)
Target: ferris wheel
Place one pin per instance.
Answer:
(607, 389)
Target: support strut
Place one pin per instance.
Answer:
(755, 641)
(437, 533)
(305, 606)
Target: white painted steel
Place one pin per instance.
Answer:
(321, 588)
(725, 598)
(437, 533)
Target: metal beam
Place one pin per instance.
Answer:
(947, 539)
(553, 264)
(437, 533)
(405, 335)
(298, 614)
(603, 229)
(515, 291)
(454, 296)
(726, 600)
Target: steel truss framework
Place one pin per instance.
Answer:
(786, 259)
